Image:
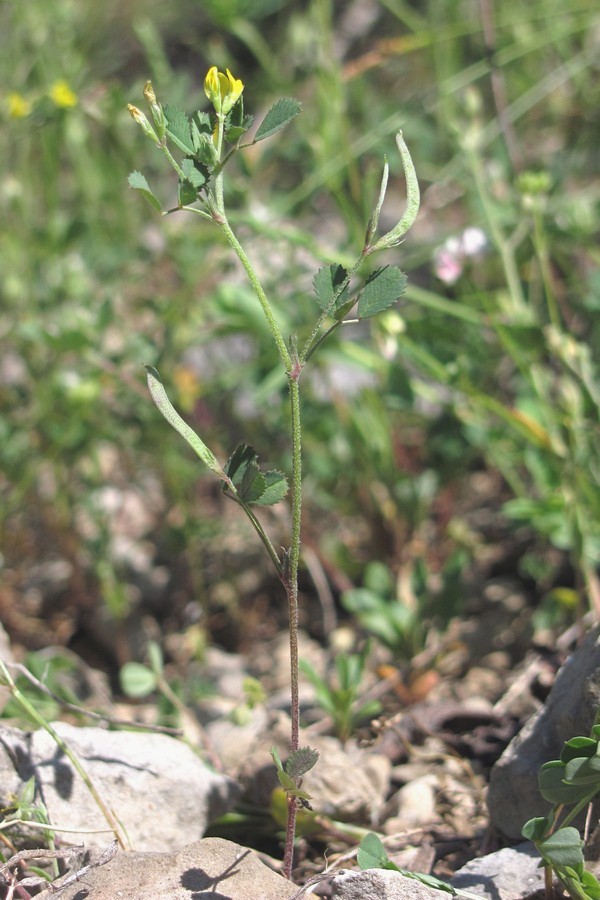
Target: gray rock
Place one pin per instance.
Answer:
(509, 874)
(211, 868)
(513, 795)
(160, 792)
(347, 783)
(381, 884)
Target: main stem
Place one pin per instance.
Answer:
(291, 587)
(289, 572)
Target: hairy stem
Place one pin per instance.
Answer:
(291, 587)
(289, 571)
(239, 251)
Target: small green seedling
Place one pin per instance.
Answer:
(373, 855)
(342, 701)
(571, 781)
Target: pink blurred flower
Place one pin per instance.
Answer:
(449, 259)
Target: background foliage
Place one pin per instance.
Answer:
(489, 366)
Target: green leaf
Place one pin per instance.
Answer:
(578, 747)
(204, 147)
(276, 758)
(27, 792)
(137, 680)
(286, 781)
(330, 292)
(178, 128)
(372, 854)
(551, 780)
(382, 289)
(301, 761)
(187, 193)
(138, 183)
(243, 471)
(235, 130)
(193, 173)
(252, 485)
(155, 657)
(583, 770)
(591, 885)
(165, 406)
(535, 829)
(563, 848)
(303, 795)
(276, 487)
(282, 112)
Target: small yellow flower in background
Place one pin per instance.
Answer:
(188, 387)
(18, 106)
(223, 90)
(62, 96)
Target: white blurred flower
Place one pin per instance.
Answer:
(473, 241)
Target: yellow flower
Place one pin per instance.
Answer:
(223, 90)
(18, 106)
(188, 386)
(62, 95)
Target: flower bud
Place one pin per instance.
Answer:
(160, 121)
(143, 122)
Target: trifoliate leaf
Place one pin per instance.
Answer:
(165, 406)
(276, 487)
(204, 147)
(138, 182)
(233, 131)
(202, 121)
(252, 485)
(196, 176)
(382, 289)
(328, 283)
(193, 173)
(242, 468)
(301, 761)
(282, 112)
(286, 782)
(178, 128)
(187, 193)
